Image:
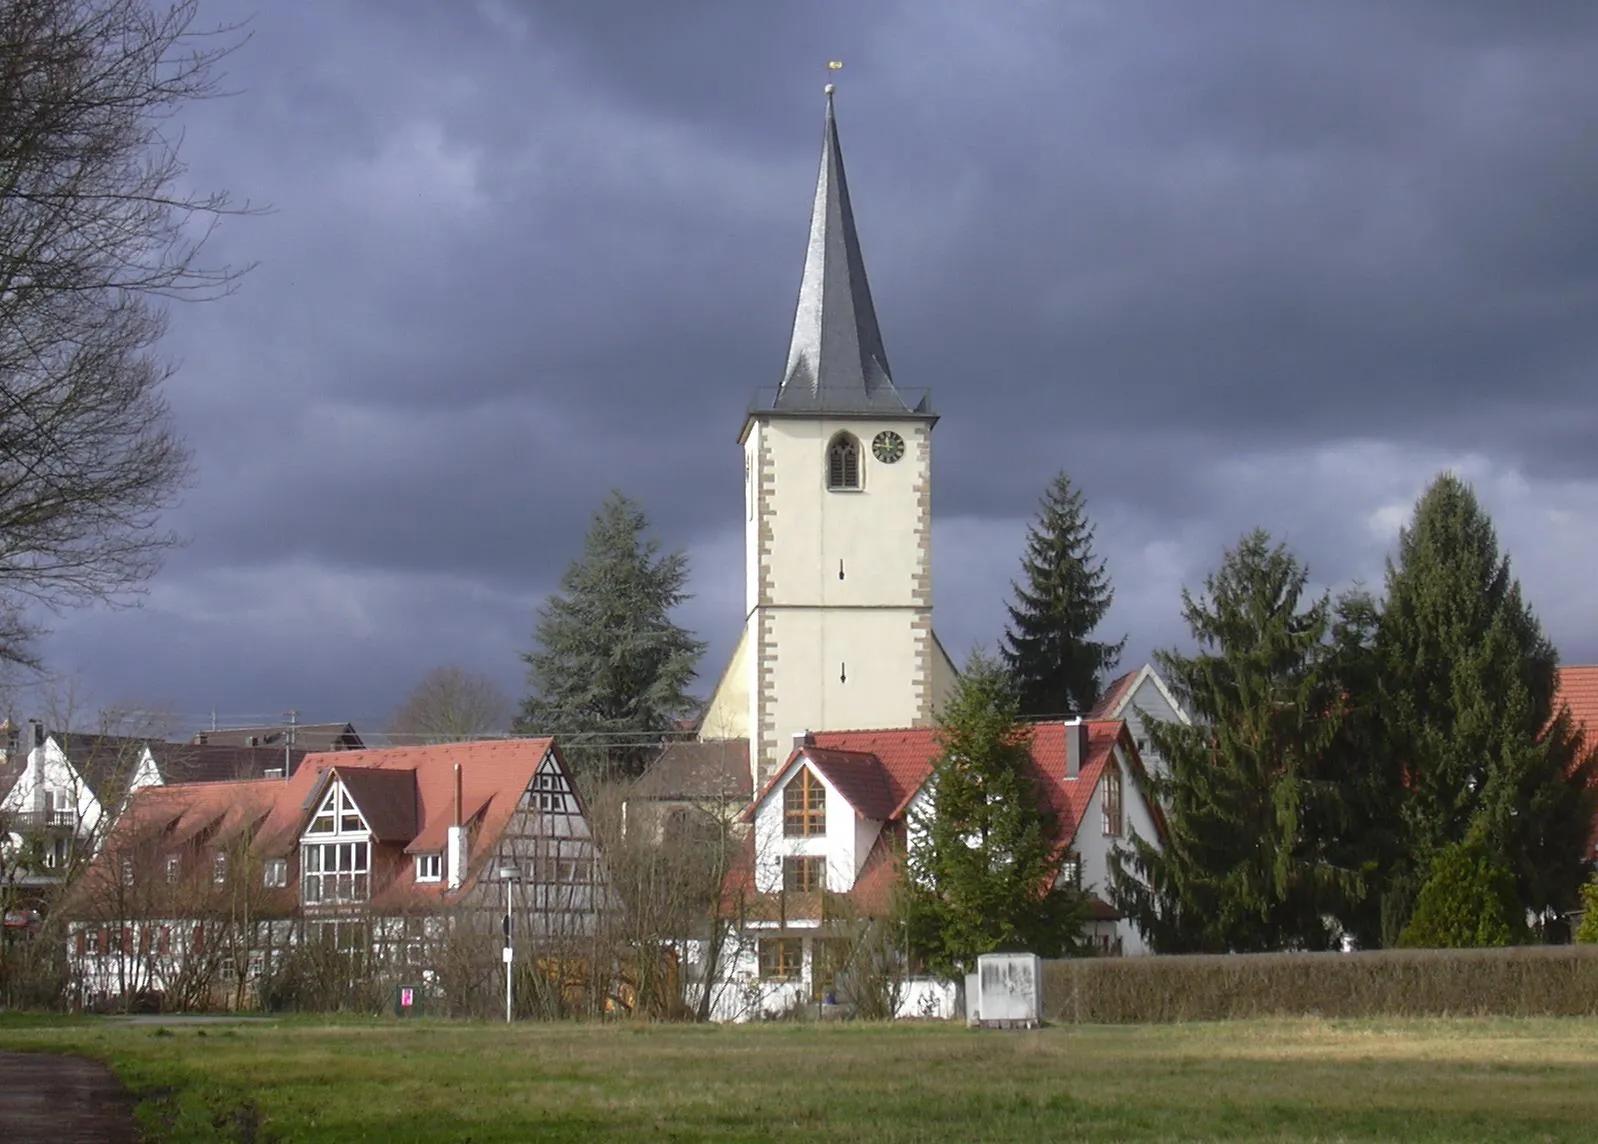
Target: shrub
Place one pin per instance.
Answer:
(1468, 900)
(1521, 981)
(1587, 932)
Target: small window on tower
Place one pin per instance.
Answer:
(843, 463)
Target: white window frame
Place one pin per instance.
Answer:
(335, 872)
(430, 866)
(275, 873)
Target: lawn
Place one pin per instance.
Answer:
(1466, 1079)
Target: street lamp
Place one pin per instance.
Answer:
(509, 875)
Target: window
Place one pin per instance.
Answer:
(803, 875)
(548, 792)
(174, 866)
(335, 872)
(275, 873)
(219, 869)
(830, 958)
(127, 870)
(804, 806)
(781, 958)
(1070, 875)
(430, 867)
(843, 463)
(1112, 800)
(338, 814)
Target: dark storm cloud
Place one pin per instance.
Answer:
(1228, 264)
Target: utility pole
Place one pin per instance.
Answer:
(288, 746)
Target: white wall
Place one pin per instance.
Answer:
(845, 844)
(842, 653)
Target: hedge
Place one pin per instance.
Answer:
(1523, 981)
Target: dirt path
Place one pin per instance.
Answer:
(48, 1099)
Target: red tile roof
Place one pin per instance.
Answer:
(879, 772)
(408, 791)
(1578, 690)
(1111, 699)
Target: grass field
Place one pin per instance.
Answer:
(295, 1080)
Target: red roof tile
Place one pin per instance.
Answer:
(1105, 707)
(407, 792)
(1578, 690)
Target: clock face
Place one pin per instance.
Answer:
(888, 446)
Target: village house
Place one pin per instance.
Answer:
(1138, 697)
(830, 831)
(381, 854)
(61, 790)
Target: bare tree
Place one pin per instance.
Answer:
(97, 231)
(451, 703)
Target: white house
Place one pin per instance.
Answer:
(831, 825)
(61, 789)
(1138, 697)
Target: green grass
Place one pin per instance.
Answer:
(1443, 1080)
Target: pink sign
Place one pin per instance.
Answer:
(406, 998)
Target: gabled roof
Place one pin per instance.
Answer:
(1116, 693)
(385, 798)
(1120, 691)
(209, 763)
(406, 794)
(106, 763)
(836, 359)
(1578, 690)
(879, 772)
(307, 737)
(712, 770)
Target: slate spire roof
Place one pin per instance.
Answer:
(836, 361)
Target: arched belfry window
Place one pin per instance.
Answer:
(843, 462)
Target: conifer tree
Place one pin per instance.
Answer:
(983, 866)
(1058, 668)
(611, 670)
(1469, 685)
(1252, 799)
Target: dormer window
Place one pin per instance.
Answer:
(804, 806)
(430, 867)
(843, 463)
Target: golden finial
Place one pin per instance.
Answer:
(832, 65)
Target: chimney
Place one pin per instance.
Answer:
(1076, 746)
(803, 739)
(36, 732)
(455, 851)
(13, 741)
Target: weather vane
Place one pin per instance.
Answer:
(832, 65)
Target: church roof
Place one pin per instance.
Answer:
(836, 360)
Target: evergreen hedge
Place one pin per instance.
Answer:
(1523, 981)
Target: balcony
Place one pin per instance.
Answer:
(44, 819)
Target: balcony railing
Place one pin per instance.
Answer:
(43, 819)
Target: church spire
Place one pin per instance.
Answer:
(836, 361)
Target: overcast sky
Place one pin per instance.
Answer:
(1228, 264)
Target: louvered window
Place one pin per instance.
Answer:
(843, 463)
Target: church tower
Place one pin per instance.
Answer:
(838, 516)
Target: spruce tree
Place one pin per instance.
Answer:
(1469, 684)
(1058, 668)
(1252, 796)
(985, 858)
(611, 670)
